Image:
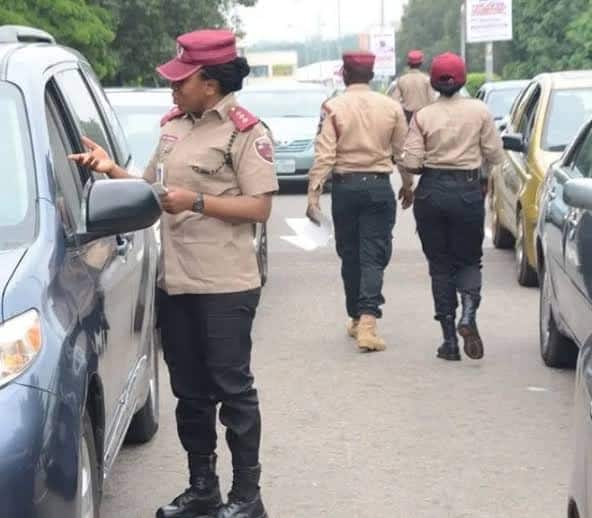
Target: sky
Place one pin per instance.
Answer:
(296, 20)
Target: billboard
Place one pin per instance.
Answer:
(489, 20)
(382, 44)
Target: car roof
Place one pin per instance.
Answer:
(567, 79)
(504, 85)
(140, 96)
(284, 86)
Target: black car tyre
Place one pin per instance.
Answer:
(88, 472)
(144, 424)
(526, 274)
(261, 250)
(501, 236)
(556, 349)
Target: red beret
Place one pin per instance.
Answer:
(449, 66)
(359, 60)
(197, 49)
(415, 57)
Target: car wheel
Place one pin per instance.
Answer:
(502, 237)
(144, 424)
(88, 472)
(526, 274)
(556, 349)
(261, 250)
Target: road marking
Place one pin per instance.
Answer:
(537, 389)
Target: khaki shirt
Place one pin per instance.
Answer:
(414, 90)
(360, 131)
(201, 254)
(453, 133)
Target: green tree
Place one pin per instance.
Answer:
(75, 23)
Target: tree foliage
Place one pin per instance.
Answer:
(123, 39)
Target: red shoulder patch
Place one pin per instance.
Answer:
(243, 120)
(173, 113)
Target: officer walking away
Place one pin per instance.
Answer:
(413, 89)
(447, 143)
(360, 136)
(216, 159)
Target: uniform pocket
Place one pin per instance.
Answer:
(470, 197)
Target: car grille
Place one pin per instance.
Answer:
(296, 146)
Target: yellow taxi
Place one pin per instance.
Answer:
(544, 119)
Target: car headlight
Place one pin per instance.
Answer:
(20, 342)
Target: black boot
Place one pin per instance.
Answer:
(244, 499)
(449, 349)
(202, 498)
(467, 326)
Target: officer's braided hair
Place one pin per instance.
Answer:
(229, 75)
(446, 85)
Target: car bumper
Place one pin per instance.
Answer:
(38, 455)
(302, 163)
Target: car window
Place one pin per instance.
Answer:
(526, 122)
(568, 111)
(66, 174)
(297, 103)
(582, 164)
(82, 105)
(500, 101)
(119, 139)
(17, 196)
(519, 105)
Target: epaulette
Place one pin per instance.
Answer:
(173, 113)
(242, 119)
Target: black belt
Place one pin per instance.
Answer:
(466, 175)
(360, 177)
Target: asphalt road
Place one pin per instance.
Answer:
(397, 434)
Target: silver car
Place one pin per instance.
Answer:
(292, 112)
(140, 111)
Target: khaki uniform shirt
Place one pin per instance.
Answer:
(360, 131)
(201, 254)
(414, 90)
(453, 133)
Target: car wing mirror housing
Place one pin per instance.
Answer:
(577, 193)
(118, 207)
(514, 142)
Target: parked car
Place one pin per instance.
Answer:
(564, 249)
(292, 111)
(78, 365)
(140, 111)
(545, 118)
(499, 96)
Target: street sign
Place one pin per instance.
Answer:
(382, 44)
(489, 20)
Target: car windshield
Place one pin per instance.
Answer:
(17, 196)
(142, 129)
(568, 111)
(295, 103)
(500, 101)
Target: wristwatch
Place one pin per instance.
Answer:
(198, 204)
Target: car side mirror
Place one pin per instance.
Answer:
(578, 193)
(514, 142)
(118, 207)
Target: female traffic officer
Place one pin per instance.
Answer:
(447, 143)
(216, 160)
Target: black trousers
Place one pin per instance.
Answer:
(364, 210)
(450, 217)
(207, 347)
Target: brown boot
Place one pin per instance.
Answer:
(352, 327)
(368, 340)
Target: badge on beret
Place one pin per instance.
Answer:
(179, 50)
(264, 149)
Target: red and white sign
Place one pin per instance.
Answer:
(489, 20)
(382, 45)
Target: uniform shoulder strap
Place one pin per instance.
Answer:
(173, 113)
(242, 119)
